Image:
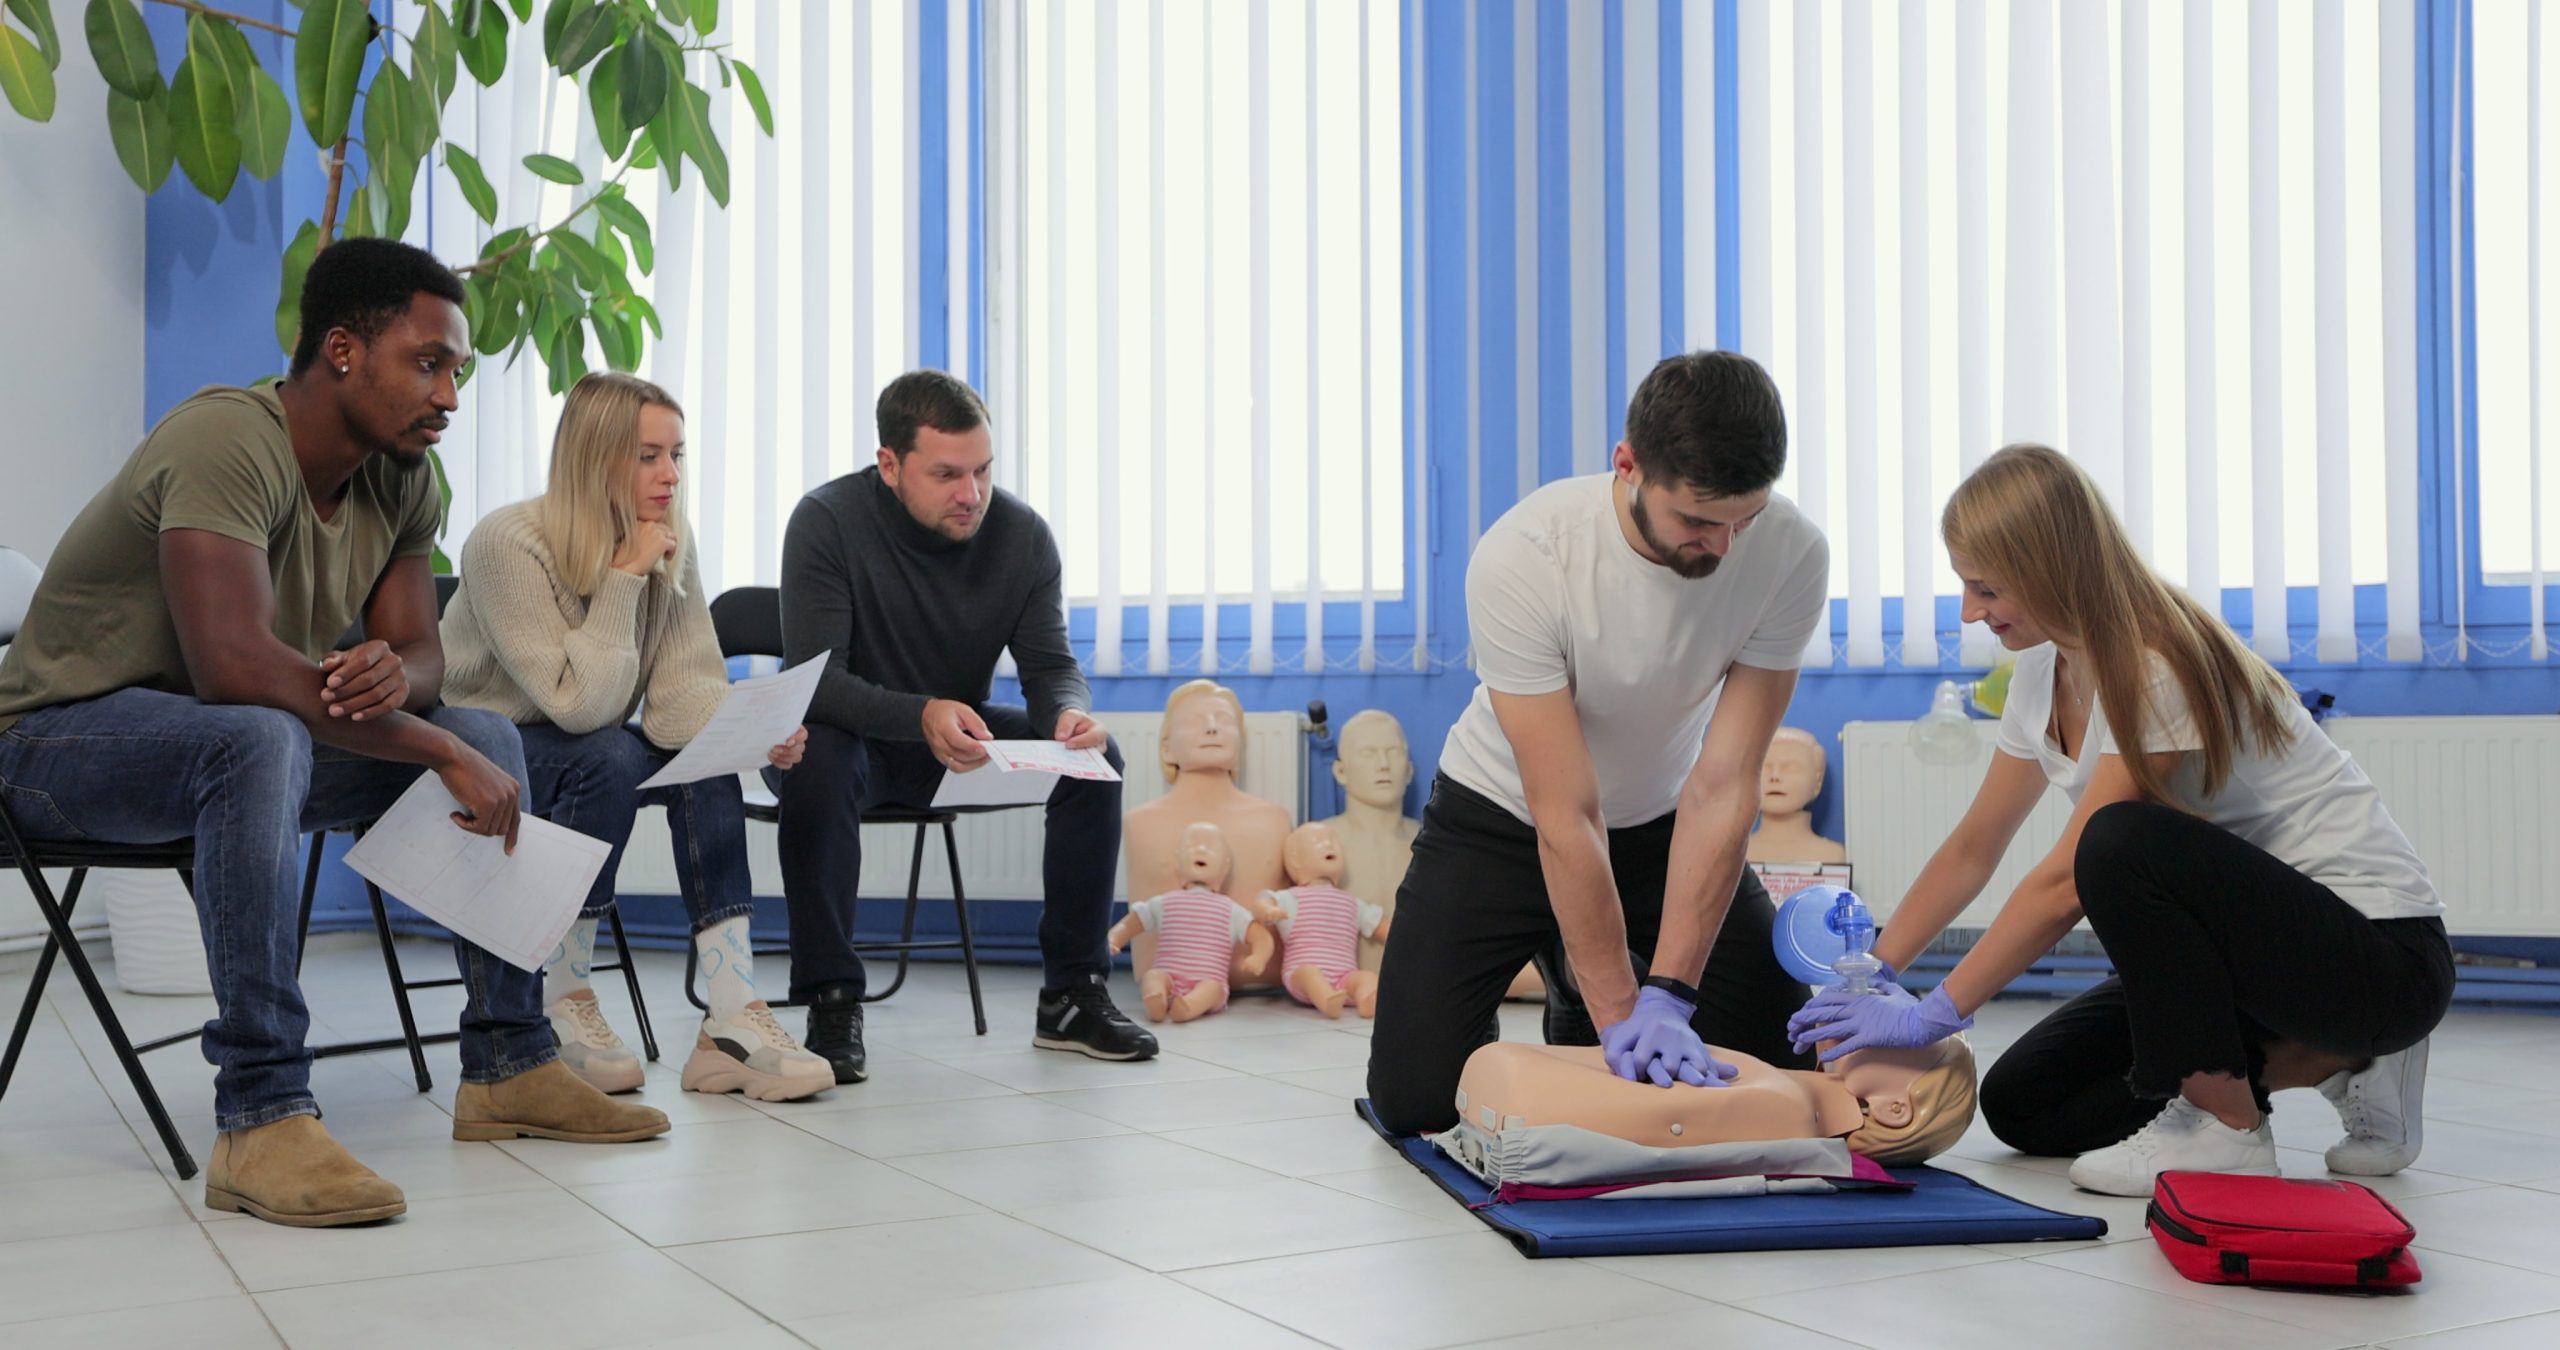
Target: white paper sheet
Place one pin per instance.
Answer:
(755, 716)
(514, 905)
(1021, 773)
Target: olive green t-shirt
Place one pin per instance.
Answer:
(221, 461)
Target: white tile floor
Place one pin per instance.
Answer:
(977, 1192)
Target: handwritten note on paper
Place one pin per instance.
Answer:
(755, 716)
(1021, 773)
(515, 906)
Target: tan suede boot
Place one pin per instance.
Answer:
(550, 1103)
(291, 1172)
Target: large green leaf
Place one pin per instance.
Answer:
(328, 60)
(484, 49)
(393, 141)
(140, 129)
(586, 36)
(623, 216)
(691, 108)
(604, 97)
(590, 265)
(523, 9)
(554, 168)
(677, 12)
(265, 121)
(475, 184)
(706, 15)
(121, 45)
(644, 78)
(555, 25)
(434, 52)
(755, 95)
(24, 76)
(361, 214)
(37, 15)
(297, 264)
(202, 117)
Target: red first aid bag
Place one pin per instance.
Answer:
(2217, 1228)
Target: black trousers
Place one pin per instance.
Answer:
(842, 775)
(1473, 909)
(2219, 949)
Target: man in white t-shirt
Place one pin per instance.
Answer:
(1636, 640)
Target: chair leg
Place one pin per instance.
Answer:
(692, 967)
(399, 989)
(310, 889)
(58, 919)
(631, 978)
(906, 930)
(968, 943)
(35, 986)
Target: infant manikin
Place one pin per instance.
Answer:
(1320, 926)
(1198, 930)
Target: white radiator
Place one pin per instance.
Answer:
(2477, 795)
(999, 852)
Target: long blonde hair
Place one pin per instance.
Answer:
(2035, 521)
(587, 512)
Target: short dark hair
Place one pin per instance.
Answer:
(361, 285)
(926, 398)
(1710, 420)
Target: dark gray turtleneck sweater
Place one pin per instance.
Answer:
(912, 616)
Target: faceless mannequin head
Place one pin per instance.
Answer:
(1312, 854)
(1373, 764)
(1202, 859)
(1791, 776)
(1203, 730)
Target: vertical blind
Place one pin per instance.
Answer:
(2515, 233)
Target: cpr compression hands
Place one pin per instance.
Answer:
(1656, 1044)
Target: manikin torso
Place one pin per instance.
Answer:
(1203, 743)
(1374, 765)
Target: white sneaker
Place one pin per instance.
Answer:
(2183, 1138)
(754, 1055)
(589, 1047)
(2383, 1108)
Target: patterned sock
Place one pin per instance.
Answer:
(728, 968)
(567, 970)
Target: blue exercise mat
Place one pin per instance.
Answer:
(1940, 1208)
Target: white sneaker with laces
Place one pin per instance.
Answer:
(755, 1056)
(2184, 1137)
(2382, 1107)
(589, 1047)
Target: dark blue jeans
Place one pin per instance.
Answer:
(591, 784)
(844, 775)
(143, 767)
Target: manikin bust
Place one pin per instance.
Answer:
(1374, 766)
(1790, 778)
(1199, 930)
(1201, 750)
(1320, 926)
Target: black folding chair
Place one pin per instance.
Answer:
(748, 620)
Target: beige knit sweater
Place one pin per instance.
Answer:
(519, 643)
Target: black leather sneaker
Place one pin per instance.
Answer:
(1082, 1018)
(835, 1031)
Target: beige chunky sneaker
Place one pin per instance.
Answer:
(589, 1047)
(754, 1055)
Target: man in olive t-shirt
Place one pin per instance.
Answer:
(175, 678)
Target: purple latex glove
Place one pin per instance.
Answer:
(1656, 1044)
(1825, 1006)
(1873, 1021)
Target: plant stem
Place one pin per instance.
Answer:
(329, 205)
(530, 240)
(241, 19)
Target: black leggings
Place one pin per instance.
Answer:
(2219, 948)
(1473, 909)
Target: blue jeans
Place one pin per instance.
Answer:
(143, 767)
(591, 784)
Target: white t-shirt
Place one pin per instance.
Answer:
(1558, 599)
(2307, 803)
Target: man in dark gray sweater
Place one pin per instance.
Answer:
(917, 575)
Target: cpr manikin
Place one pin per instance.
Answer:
(1375, 767)
(1320, 925)
(1201, 752)
(1199, 931)
(1790, 778)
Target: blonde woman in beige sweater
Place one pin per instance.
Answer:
(578, 609)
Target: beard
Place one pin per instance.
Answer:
(1692, 569)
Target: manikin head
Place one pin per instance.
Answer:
(1203, 731)
(1918, 1102)
(1791, 775)
(1706, 438)
(1201, 859)
(1312, 854)
(382, 335)
(936, 453)
(1373, 764)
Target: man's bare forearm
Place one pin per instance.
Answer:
(1573, 853)
(1705, 867)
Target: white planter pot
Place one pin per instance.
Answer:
(152, 922)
